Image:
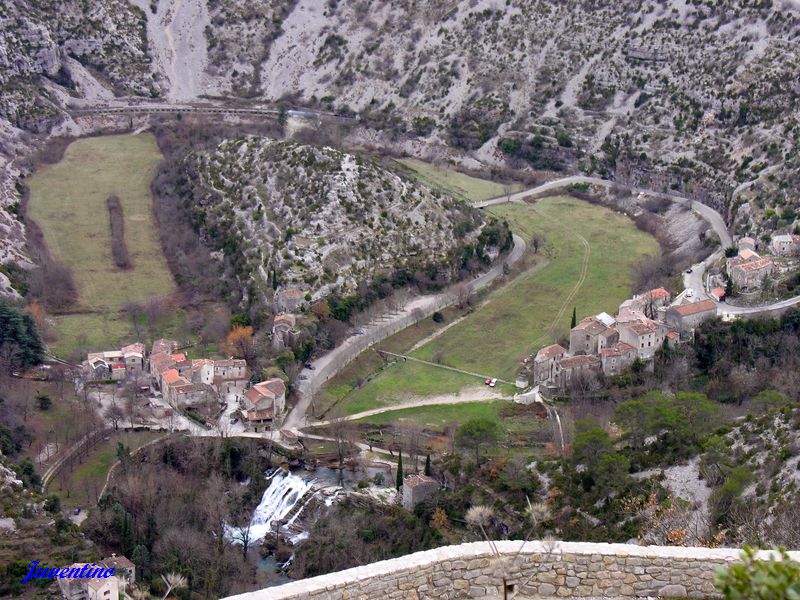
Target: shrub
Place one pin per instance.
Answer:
(438, 317)
(44, 401)
(52, 504)
(754, 579)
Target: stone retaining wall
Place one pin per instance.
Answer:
(533, 570)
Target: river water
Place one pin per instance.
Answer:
(288, 494)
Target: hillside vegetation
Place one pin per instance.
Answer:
(293, 215)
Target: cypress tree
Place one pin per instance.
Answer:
(399, 482)
(428, 465)
(574, 318)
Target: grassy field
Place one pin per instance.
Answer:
(369, 363)
(68, 201)
(437, 417)
(518, 319)
(460, 185)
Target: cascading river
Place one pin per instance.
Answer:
(284, 492)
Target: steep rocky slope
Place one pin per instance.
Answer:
(701, 96)
(694, 96)
(294, 215)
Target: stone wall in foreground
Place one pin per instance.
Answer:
(535, 569)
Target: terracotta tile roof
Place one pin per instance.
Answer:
(747, 240)
(695, 308)
(265, 390)
(97, 583)
(748, 254)
(549, 352)
(718, 292)
(658, 293)
(114, 562)
(259, 415)
(642, 328)
(171, 376)
(161, 362)
(230, 362)
(133, 349)
(415, 480)
(163, 345)
(618, 349)
(673, 335)
(582, 360)
(756, 265)
(591, 326)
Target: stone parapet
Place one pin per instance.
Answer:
(531, 570)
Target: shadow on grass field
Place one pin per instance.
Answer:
(68, 202)
(516, 319)
(465, 187)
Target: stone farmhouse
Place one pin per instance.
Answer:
(617, 358)
(610, 345)
(100, 588)
(645, 335)
(648, 304)
(288, 300)
(120, 364)
(263, 402)
(785, 244)
(546, 363)
(417, 488)
(685, 318)
(284, 332)
(748, 269)
(593, 334)
(572, 367)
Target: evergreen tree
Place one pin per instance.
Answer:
(20, 344)
(574, 317)
(428, 465)
(399, 482)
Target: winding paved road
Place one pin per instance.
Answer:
(694, 279)
(329, 365)
(415, 310)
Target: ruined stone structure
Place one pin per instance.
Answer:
(541, 569)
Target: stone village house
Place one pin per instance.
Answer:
(748, 269)
(417, 488)
(284, 332)
(601, 343)
(687, 317)
(120, 364)
(263, 402)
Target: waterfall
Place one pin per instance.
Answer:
(284, 492)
